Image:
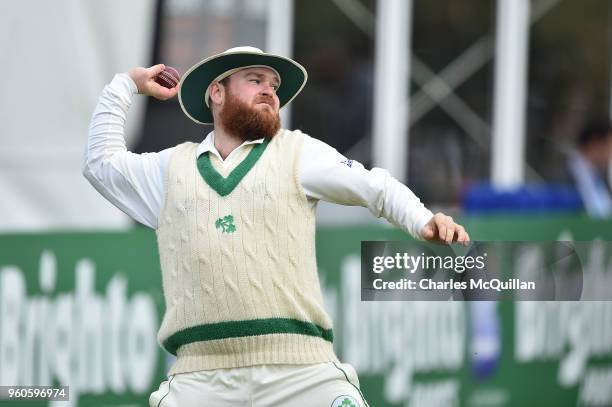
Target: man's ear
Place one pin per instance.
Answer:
(217, 93)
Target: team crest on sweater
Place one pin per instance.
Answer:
(226, 224)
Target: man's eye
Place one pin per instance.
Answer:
(256, 81)
(275, 87)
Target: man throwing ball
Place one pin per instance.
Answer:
(235, 223)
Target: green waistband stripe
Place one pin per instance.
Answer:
(238, 329)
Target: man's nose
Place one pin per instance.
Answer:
(267, 89)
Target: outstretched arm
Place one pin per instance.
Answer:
(327, 175)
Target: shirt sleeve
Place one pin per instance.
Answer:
(134, 183)
(327, 175)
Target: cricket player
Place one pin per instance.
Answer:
(235, 223)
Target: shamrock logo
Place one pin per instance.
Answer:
(345, 401)
(226, 223)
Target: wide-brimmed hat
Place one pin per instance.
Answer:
(194, 84)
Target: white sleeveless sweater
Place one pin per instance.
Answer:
(237, 253)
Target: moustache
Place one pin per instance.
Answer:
(267, 100)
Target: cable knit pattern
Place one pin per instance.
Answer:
(246, 296)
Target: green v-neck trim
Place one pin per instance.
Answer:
(224, 186)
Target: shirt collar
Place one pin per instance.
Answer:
(208, 144)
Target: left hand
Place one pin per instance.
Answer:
(443, 229)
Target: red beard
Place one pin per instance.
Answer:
(248, 123)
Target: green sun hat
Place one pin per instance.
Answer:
(193, 88)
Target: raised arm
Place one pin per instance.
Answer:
(327, 175)
(132, 182)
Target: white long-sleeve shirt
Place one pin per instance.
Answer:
(134, 183)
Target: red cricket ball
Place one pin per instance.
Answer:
(168, 78)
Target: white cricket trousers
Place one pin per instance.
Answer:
(318, 385)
